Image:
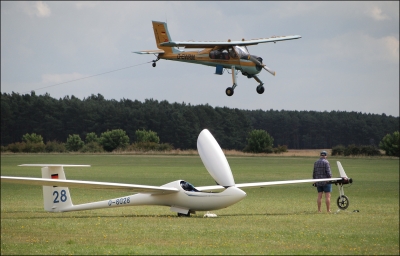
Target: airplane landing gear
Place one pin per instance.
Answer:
(154, 62)
(183, 215)
(260, 89)
(229, 91)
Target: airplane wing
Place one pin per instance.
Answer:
(264, 184)
(210, 44)
(150, 51)
(89, 184)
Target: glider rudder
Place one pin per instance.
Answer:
(56, 199)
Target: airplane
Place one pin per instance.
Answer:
(181, 196)
(222, 55)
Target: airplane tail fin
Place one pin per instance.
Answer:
(56, 199)
(162, 35)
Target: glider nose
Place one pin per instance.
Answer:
(238, 193)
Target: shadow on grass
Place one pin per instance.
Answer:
(46, 215)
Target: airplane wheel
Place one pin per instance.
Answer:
(154, 64)
(260, 89)
(229, 91)
(183, 215)
(343, 202)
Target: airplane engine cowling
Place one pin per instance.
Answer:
(214, 159)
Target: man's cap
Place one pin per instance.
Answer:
(323, 153)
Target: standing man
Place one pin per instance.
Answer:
(322, 170)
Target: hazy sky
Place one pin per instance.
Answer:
(346, 60)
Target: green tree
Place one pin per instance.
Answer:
(32, 138)
(114, 139)
(55, 146)
(92, 147)
(338, 150)
(74, 143)
(259, 141)
(91, 137)
(147, 136)
(390, 143)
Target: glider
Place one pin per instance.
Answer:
(229, 55)
(181, 196)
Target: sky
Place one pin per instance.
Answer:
(346, 60)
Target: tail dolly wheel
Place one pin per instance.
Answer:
(343, 202)
(154, 62)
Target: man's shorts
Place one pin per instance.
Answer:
(326, 188)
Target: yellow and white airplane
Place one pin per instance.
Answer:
(229, 55)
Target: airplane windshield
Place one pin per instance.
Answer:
(241, 52)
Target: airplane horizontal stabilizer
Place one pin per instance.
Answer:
(150, 51)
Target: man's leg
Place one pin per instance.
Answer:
(319, 201)
(328, 201)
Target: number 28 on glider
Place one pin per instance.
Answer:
(230, 55)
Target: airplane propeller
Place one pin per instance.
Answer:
(257, 62)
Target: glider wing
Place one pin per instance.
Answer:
(89, 184)
(264, 184)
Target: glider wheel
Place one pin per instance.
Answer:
(229, 91)
(260, 89)
(183, 215)
(343, 202)
(154, 64)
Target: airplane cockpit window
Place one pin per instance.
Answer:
(220, 54)
(232, 53)
(188, 187)
(242, 52)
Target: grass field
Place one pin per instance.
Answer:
(275, 220)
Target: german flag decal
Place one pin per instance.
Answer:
(54, 176)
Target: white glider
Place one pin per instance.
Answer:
(181, 196)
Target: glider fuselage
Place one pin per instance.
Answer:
(182, 201)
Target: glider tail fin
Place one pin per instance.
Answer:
(56, 199)
(162, 35)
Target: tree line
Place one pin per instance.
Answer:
(179, 124)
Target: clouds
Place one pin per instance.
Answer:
(376, 13)
(362, 47)
(86, 5)
(347, 49)
(39, 9)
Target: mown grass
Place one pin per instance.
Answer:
(274, 220)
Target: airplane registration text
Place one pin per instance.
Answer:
(186, 56)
